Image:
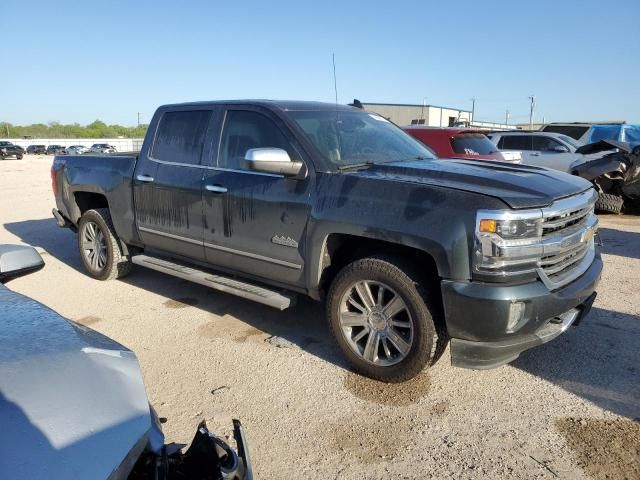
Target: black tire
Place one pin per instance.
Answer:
(609, 203)
(115, 264)
(429, 337)
(19, 157)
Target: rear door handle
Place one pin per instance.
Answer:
(144, 178)
(216, 188)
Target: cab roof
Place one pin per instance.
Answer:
(284, 105)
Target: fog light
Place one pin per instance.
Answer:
(516, 315)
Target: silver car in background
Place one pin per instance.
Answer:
(102, 148)
(543, 149)
(76, 150)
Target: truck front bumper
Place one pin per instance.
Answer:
(487, 331)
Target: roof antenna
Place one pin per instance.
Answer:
(335, 82)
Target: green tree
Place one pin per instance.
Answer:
(96, 129)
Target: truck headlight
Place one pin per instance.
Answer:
(508, 242)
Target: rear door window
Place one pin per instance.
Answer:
(472, 144)
(516, 142)
(180, 136)
(545, 144)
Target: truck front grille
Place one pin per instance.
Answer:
(563, 221)
(567, 235)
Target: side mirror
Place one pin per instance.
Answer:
(272, 160)
(560, 149)
(18, 260)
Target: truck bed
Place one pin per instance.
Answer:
(109, 175)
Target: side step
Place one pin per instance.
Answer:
(240, 288)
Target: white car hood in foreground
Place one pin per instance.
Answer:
(72, 402)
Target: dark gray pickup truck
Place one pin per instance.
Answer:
(268, 199)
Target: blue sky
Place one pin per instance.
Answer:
(78, 61)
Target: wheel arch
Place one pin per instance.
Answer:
(339, 249)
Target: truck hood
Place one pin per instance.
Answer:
(519, 186)
(72, 402)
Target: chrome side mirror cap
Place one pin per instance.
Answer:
(18, 260)
(272, 160)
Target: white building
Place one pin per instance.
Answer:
(430, 115)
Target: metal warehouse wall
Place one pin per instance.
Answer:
(433, 116)
(121, 144)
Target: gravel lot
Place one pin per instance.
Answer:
(568, 409)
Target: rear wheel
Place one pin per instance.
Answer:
(382, 317)
(19, 157)
(609, 203)
(99, 248)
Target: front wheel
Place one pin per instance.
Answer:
(99, 248)
(19, 157)
(384, 319)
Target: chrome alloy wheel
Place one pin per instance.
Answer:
(94, 246)
(376, 323)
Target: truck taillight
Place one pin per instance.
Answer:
(54, 183)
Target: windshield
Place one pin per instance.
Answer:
(631, 134)
(473, 144)
(349, 138)
(605, 132)
(571, 141)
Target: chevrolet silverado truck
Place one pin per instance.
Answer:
(271, 199)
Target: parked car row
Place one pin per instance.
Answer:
(71, 150)
(612, 166)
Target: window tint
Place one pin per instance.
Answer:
(180, 136)
(347, 137)
(472, 144)
(605, 132)
(516, 142)
(574, 131)
(244, 130)
(544, 144)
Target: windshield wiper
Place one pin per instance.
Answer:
(353, 166)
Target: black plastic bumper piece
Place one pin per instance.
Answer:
(477, 317)
(486, 355)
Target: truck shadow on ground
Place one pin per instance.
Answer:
(620, 243)
(301, 326)
(595, 360)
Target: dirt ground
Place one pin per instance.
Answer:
(568, 409)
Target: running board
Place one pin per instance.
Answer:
(250, 291)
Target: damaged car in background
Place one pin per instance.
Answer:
(73, 403)
(616, 175)
(612, 166)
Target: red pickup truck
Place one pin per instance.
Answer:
(454, 142)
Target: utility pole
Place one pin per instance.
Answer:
(531, 110)
(473, 109)
(138, 118)
(424, 104)
(506, 117)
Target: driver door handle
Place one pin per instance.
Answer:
(144, 178)
(216, 188)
